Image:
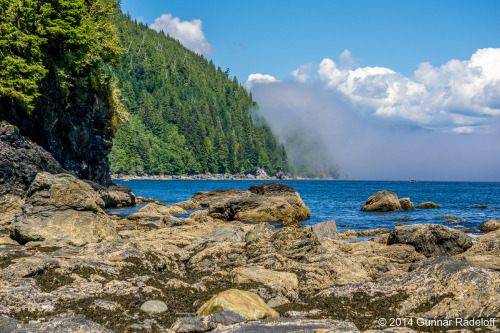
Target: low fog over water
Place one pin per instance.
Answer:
(317, 122)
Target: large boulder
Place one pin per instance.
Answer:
(432, 240)
(271, 202)
(382, 201)
(247, 304)
(20, 161)
(62, 208)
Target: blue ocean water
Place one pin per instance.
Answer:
(342, 200)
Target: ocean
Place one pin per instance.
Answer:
(342, 200)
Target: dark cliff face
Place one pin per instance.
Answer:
(77, 136)
(20, 161)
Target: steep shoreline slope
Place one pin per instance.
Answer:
(186, 114)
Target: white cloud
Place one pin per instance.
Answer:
(189, 33)
(259, 79)
(459, 93)
(303, 73)
(346, 59)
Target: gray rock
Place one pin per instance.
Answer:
(431, 240)
(171, 221)
(260, 231)
(206, 323)
(68, 324)
(286, 325)
(382, 201)
(326, 229)
(154, 307)
(225, 234)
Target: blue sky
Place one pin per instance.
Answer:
(275, 37)
(386, 89)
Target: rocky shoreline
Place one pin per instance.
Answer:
(67, 266)
(258, 175)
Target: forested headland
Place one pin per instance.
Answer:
(186, 115)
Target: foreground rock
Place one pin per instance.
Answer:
(62, 209)
(485, 252)
(432, 240)
(382, 201)
(207, 323)
(286, 325)
(69, 324)
(247, 304)
(442, 288)
(268, 202)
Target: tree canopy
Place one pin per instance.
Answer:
(186, 114)
(71, 39)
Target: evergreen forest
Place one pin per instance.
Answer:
(186, 115)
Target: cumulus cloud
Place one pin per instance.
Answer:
(189, 33)
(458, 92)
(303, 73)
(440, 124)
(259, 78)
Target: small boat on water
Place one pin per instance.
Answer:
(413, 181)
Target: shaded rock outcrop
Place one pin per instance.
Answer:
(431, 240)
(62, 208)
(21, 160)
(76, 133)
(268, 202)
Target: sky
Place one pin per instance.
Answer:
(390, 89)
